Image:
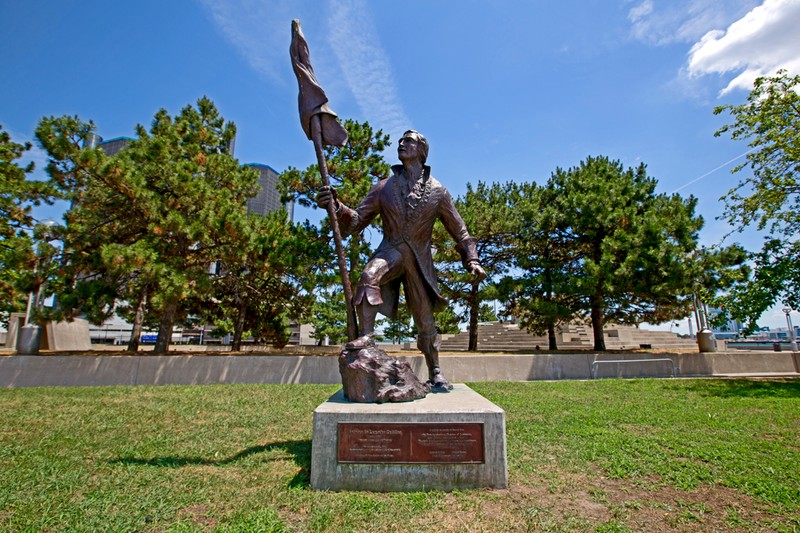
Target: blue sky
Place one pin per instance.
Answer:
(504, 90)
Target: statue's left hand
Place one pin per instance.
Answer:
(476, 270)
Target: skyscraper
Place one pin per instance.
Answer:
(268, 198)
(114, 146)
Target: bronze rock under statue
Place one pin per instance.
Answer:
(409, 202)
(371, 376)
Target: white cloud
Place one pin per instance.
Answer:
(640, 12)
(365, 66)
(683, 20)
(761, 42)
(259, 30)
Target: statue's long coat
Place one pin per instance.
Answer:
(409, 219)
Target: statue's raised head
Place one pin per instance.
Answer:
(420, 142)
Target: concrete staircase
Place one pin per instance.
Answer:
(626, 337)
(500, 336)
(506, 337)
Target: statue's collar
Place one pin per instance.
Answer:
(399, 171)
(411, 196)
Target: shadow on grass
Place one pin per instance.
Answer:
(749, 388)
(299, 450)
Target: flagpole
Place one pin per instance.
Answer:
(316, 137)
(323, 129)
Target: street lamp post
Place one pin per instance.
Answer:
(792, 337)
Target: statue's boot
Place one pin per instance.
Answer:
(428, 344)
(366, 318)
(438, 382)
(365, 341)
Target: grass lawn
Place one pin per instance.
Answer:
(606, 455)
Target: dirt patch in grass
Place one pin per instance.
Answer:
(199, 516)
(644, 504)
(579, 503)
(653, 506)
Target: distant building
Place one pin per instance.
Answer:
(268, 198)
(781, 334)
(110, 147)
(114, 146)
(732, 329)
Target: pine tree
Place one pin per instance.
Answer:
(17, 253)
(353, 169)
(261, 286)
(633, 247)
(546, 262)
(146, 224)
(490, 216)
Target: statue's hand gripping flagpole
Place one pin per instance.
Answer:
(322, 127)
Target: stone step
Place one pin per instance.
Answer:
(499, 336)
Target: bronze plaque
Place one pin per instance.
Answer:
(410, 443)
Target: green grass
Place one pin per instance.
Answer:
(606, 455)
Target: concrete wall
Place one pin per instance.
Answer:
(83, 370)
(49, 370)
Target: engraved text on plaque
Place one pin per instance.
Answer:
(410, 443)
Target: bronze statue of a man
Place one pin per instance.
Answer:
(409, 202)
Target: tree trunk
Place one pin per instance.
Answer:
(596, 299)
(474, 311)
(597, 323)
(165, 328)
(238, 328)
(138, 319)
(551, 335)
(551, 323)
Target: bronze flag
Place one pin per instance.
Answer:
(312, 99)
(323, 129)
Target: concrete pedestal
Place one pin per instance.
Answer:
(446, 441)
(28, 339)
